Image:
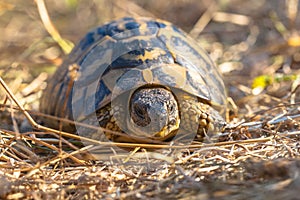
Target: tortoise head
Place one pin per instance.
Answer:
(154, 112)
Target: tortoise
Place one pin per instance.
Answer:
(142, 77)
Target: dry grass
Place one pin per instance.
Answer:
(258, 158)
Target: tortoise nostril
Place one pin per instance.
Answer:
(171, 108)
(172, 122)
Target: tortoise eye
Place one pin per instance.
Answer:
(139, 111)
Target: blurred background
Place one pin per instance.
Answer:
(254, 43)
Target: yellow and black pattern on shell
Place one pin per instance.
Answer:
(128, 53)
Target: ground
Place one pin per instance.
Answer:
(255, 44)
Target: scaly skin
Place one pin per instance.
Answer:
(195, 117)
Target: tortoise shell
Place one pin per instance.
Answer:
(126, 54)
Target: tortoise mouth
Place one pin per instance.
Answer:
(153, 112)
